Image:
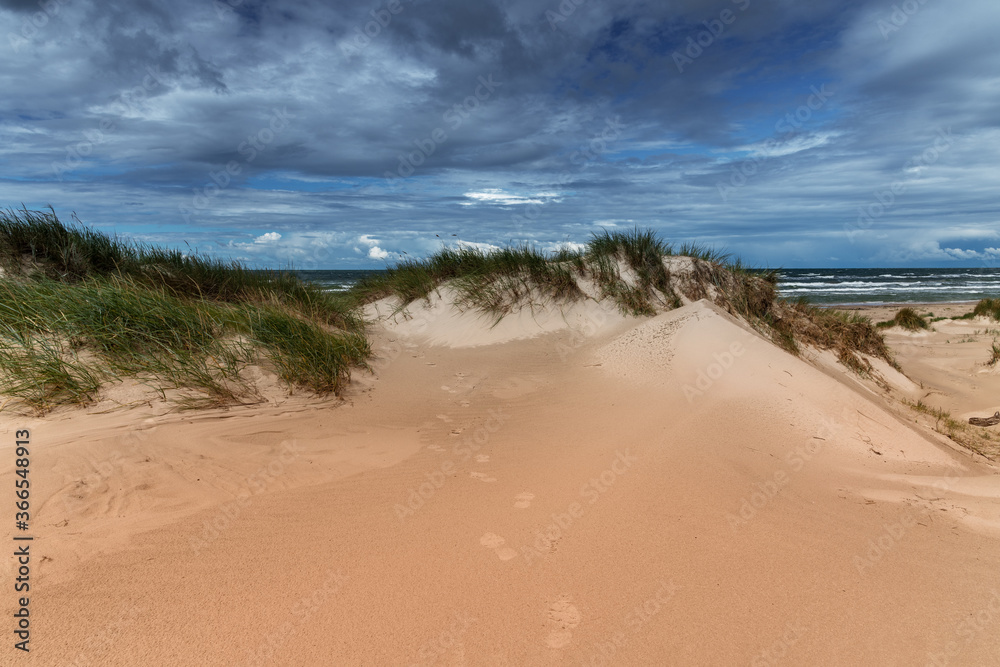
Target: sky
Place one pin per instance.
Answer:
(830, 133)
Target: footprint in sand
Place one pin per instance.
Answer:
(465, 404)
(482, 458)
(495, 542)
(563, 617)
(456, 431)
(522, 501)
(483, 477)
(435, 448)
(445, 418)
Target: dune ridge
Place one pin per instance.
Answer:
(591, 489)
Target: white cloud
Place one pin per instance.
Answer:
(500, 198)
(269, 237)
(959, 253)
(484, 247)
(790, 146)
(374, 250)
(572, 246)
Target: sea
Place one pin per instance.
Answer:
(889, 286)
(823, 286)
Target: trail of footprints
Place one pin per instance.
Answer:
(460, 379)
(562, 615)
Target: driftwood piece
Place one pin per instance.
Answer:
(985, 421)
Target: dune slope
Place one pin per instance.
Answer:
(672, 490)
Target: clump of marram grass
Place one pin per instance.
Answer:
(649, 287)
(79, 309)
(44, 372)
(510, 276)
(632, 269)
(851, 336)
(37, 243)
(906, 318)
(491, 282)
(303, 352)
(994, 354)
(987, 308)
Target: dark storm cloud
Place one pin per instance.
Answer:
(272, 128)
(20, 5)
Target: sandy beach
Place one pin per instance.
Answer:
(499, 333)
(571, 489)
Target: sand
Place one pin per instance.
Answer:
(948, 361)
(574, 488)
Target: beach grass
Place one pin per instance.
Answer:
(974, 439)
(632, 268)
(987, 308)
(80, 309)
(906, 318)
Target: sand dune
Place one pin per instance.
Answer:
(568, 488)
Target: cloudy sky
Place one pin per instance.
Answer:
(343, 134)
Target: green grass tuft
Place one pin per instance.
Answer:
(908, 319)
(631, 269)
(79, 309)
(987, 308)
